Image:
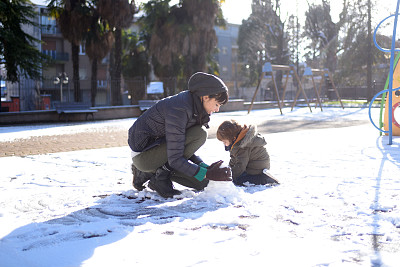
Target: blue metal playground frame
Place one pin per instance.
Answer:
(390, 89)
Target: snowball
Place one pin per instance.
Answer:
(221, 192)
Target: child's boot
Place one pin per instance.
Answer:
(269, 178)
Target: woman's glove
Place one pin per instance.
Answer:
(215, 173)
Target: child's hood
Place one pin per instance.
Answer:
(252, 138)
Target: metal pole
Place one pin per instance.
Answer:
(61, 94)
(391, 74)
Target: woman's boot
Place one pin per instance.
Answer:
(139, 178)
(162, 184)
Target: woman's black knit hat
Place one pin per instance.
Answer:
(202, 84)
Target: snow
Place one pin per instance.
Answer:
(337, 204)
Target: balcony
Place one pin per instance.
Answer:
(102, 84)
(50, 29)
(57, 56)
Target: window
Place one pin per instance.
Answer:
(82, 74)
(48, 21)
(82, 49)
(49, 25)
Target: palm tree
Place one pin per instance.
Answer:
(119, 14)
(202, 38)
(135, 63)
(183, 36)
(73, 20)
(99, 41)
(158, 14)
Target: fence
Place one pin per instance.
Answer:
(266, 92)
(40, 95)
(360, 92)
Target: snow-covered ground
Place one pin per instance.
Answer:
(337, 204)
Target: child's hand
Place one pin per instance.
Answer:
(212, 165)
(215, 173)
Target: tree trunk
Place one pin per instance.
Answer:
(280, 59)
(75, 67)
(188, 70)
(116, 98)
(0, 95)
(93, 86)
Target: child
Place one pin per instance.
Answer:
(249, 157)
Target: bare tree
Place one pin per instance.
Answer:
(324, 34)
(263, 38)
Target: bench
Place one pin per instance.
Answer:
(146, 104)
(66, 108)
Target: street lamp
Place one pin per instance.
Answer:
(61, 79)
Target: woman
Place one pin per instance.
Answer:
(165, 138)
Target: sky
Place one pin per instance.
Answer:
(337, 204)
(237, 10)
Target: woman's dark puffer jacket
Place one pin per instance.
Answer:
(167, 121)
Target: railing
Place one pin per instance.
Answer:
(57, 56)
(133, 90)
(50, 29)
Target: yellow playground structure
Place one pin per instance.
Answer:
(395, 102)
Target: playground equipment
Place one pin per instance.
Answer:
(305, 81)
(325, 73)
(395, 102)
(268, 69)
(392, 87)
(384, 100)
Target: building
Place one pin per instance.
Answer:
(55, 46)
(227, 56)
(33, 94)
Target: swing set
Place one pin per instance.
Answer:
(267, 72)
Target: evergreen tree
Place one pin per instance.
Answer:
(18, 51)
(293, 30)
(354, 48)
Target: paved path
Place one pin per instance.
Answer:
(59, 143)
(36, 145)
